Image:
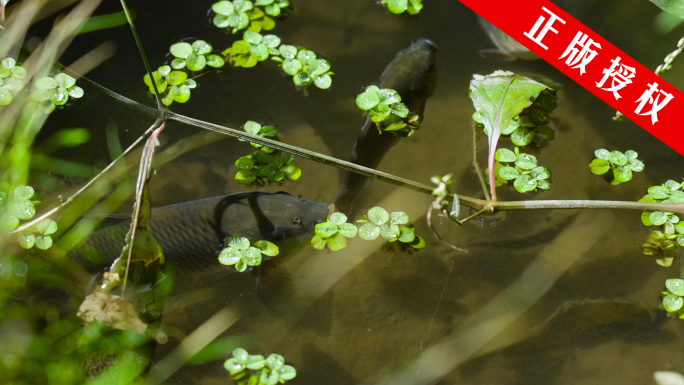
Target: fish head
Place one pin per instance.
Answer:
(413, 72)
(287, 221)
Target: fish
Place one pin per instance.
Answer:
(191, 234)
(508, 48)
(413, 74)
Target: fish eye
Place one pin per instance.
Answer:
(296, 221)
(280, 234)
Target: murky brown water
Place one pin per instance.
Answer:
(363, 314)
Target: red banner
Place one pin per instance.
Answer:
(593, 62)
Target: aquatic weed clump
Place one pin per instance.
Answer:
(16, 205)
(195, 57)
(175, 85)
(267, 164)
(378, 222)
(333, 233)
(386, 110)
(662, 243)
(243, 253)
(413, 7)
(522, 169)
(298, 62)
(248, 369)
(622, 164)
(392, 227)
(237, 15)
(56, 90)
(672, 300)
(11, 76)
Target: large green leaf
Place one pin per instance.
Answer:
(673, 7)
(499, 98)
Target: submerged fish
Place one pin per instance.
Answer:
(508, 48)
(413, 74)
(192, 233)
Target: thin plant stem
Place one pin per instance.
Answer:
(677, 208)
(142, 53)
(143, 177)
(469, 218)
(476, 164)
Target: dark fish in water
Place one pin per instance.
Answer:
(413, 74)
(508, 48)
(192, 233)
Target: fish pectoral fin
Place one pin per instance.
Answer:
(496, 54)
(275, 288)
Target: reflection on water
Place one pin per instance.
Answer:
(542, 297)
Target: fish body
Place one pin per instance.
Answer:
(192, 233)
(413, 74)
(508, 48)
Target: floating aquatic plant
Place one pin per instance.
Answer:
(248, 369)
(16, 205)
(254, 128)
(333, 233)
(623, 165)
(392, 227)
(11, 75)
(300, 63)
(387, 111)
(253, 48)
(268, 163)
(242, 253)
(668, 192)
(522, 169)
(56, 89)
(237, 15)
(195, 57)
(304, 67)
(398, 7)
(672, 300)
(173, 86)
(262, 166)
(662, 244)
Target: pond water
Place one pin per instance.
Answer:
(552, 296)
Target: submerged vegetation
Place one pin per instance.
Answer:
(111, 338)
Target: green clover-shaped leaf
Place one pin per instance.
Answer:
(267, 248)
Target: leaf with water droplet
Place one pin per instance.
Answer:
(181, 50)
(672, 303)
(43, 242)
(26, 241)
(369, 231)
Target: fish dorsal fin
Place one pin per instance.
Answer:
(275, 288)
